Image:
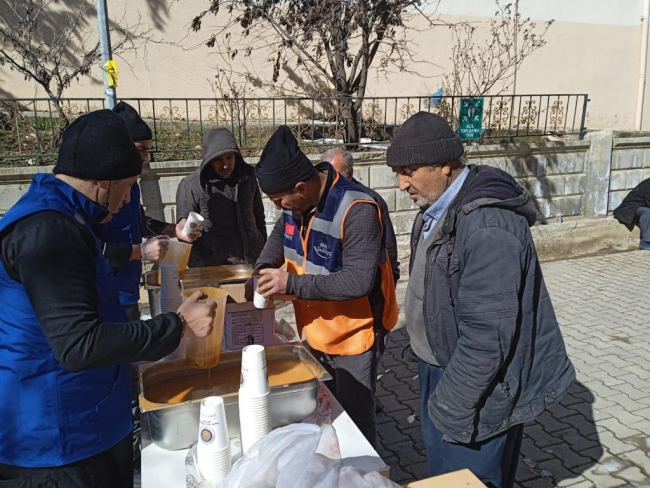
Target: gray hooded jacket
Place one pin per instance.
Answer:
(488, 316)
(234, 230)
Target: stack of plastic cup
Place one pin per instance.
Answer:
(213, 448)
(254, 392)
(171, 299)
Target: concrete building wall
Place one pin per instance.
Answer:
(593, 48)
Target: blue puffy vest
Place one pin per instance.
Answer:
(48, 415)
(126, 228)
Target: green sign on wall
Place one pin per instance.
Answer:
(470, 124)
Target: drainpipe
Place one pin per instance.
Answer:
(643, 64)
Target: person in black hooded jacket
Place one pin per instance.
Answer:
(635, 210)
(482, 328)
(224, 190)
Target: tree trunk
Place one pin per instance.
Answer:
(349, 114)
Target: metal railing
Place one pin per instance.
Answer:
(30, 128)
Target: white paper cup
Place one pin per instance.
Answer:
(214, 464)
(254, 418)
(254, 374)
(259, 301)
(193, 224)
(213, 427)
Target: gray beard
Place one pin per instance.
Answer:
(424, 203)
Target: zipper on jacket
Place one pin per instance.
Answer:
(450, 250)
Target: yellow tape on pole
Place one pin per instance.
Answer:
(111, 71)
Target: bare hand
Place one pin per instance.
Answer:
(272, 282)
(199, 315)
(155, 249)
(182, 237)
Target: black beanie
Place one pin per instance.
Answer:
(137, 127)
(282, 164)
(424, 139)
(97, 146)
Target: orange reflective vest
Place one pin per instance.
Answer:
(335, 327)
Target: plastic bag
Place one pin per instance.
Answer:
(277, 459)
(287, 458)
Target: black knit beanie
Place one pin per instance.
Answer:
(97, 146)
(282, 164)
(137, 127)
(424, 139)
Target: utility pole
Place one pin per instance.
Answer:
(110, 80)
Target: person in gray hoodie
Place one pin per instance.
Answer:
(481, 324)
(224, 190)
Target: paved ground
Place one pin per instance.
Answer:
(599, 434)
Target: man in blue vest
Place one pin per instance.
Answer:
(123, 234)
(331, 240)
(65, 344)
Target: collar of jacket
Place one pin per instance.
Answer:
(454, 209)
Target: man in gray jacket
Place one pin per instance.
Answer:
(481, 324)
(223, 189)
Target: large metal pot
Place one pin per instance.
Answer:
(174, 427)
(196, 277)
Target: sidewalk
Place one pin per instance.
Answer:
(599, 434)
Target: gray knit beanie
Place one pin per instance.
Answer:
(424, 139)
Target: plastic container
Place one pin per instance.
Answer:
(205, 352)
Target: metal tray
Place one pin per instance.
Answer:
(176, 426)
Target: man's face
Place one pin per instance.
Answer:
(424, 184)
(339, 165)
(224, 164)
(143, 148)
(295, 201)
(115, 194)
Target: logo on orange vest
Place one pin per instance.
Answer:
(323, 251)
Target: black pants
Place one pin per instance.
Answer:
(353, 384)
(109, 469)
(643, 218)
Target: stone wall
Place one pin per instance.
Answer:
(568, 179)
(630, 166)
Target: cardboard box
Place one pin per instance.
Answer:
(458, 479)
(246, 324)
(237, 292)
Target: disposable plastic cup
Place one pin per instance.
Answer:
(254, 374)
(193, 224)
(259, 301)
(213, 427)
(205, 352)
(178, 253)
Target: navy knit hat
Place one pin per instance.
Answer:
(97, 146)
(137, 127)
(424, 139)
(282, 164)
